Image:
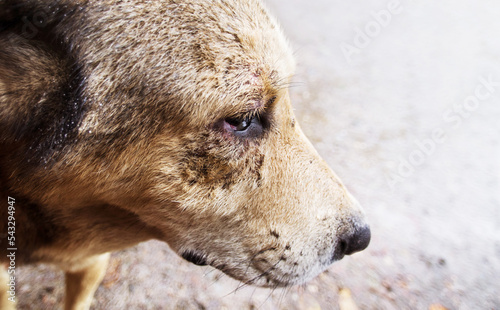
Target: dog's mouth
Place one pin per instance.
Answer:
(263, 274)
(195, 257)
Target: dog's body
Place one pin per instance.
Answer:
(123, 121)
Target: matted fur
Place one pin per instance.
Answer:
(114, 130)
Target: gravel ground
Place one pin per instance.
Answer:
(402, 99)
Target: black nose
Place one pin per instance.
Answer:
(352, 243)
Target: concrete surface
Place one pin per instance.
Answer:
(407, 114)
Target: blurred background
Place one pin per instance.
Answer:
(402, 99)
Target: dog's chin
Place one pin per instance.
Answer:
(271, 277)
(267, 280)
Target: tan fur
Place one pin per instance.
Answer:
(113, 131)
(82, 281)
(5, 304)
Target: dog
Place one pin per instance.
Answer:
(124, 121)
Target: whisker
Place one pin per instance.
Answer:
(217, 278)
(267, 298)
(283, 294)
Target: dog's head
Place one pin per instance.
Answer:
(180, 114)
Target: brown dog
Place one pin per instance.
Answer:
(123, 121)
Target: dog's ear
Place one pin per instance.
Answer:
(29, 76)
(39, 105)
(35, 88)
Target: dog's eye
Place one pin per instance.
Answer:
(239, 124)
(245, 127)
